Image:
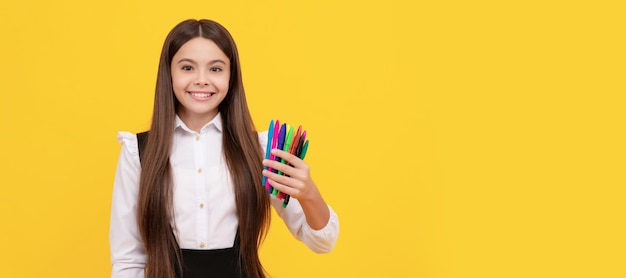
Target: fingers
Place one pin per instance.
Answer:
(293, 165)
(280, 187)
(289, 158)
(276, 165)
(295, 176)
(283, 183)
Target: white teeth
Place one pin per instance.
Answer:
(201, 95)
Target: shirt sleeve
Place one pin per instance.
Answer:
(128, 255)
(319, 241)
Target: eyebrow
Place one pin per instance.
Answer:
(194, 62)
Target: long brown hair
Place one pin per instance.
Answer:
(241, 149)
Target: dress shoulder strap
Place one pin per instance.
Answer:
(141, 142)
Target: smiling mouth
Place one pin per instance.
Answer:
(201, 95)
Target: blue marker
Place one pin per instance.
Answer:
(268, 148)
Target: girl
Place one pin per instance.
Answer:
(187, 198)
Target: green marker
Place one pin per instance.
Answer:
(288, 141)
(303, 152)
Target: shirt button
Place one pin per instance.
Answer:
(201, 205)
(197, 137)
(199, 170)
(201, 244)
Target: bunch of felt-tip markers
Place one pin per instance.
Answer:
(283, 137)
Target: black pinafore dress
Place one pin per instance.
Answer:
(222, 263)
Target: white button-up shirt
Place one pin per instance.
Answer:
(205, 214)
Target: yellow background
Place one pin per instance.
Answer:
(453, 138)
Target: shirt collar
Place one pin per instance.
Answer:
(216, 121)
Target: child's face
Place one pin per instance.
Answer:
(200, 78)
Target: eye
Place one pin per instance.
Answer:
(216, 69)
(186, 68)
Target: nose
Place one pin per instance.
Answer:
(202, 80)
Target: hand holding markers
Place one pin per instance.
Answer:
(283, 165)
